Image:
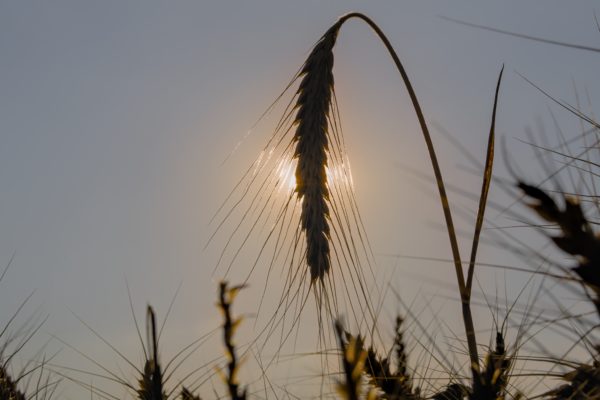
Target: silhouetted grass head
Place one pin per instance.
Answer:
(8, 387)
(491, 382)
(151, 381)
(298, 203)
(576, 237)
(311, 151)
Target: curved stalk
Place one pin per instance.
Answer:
(464, 294)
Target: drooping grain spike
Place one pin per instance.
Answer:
(314, 98)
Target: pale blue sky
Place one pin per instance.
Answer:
(115, 118)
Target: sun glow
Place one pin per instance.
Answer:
(337, 175)
(286, 172)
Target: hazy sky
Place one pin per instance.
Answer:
(116, 116)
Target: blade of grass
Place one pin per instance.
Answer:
(523, 36)
(485, 188)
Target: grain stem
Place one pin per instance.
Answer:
(464, 294)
